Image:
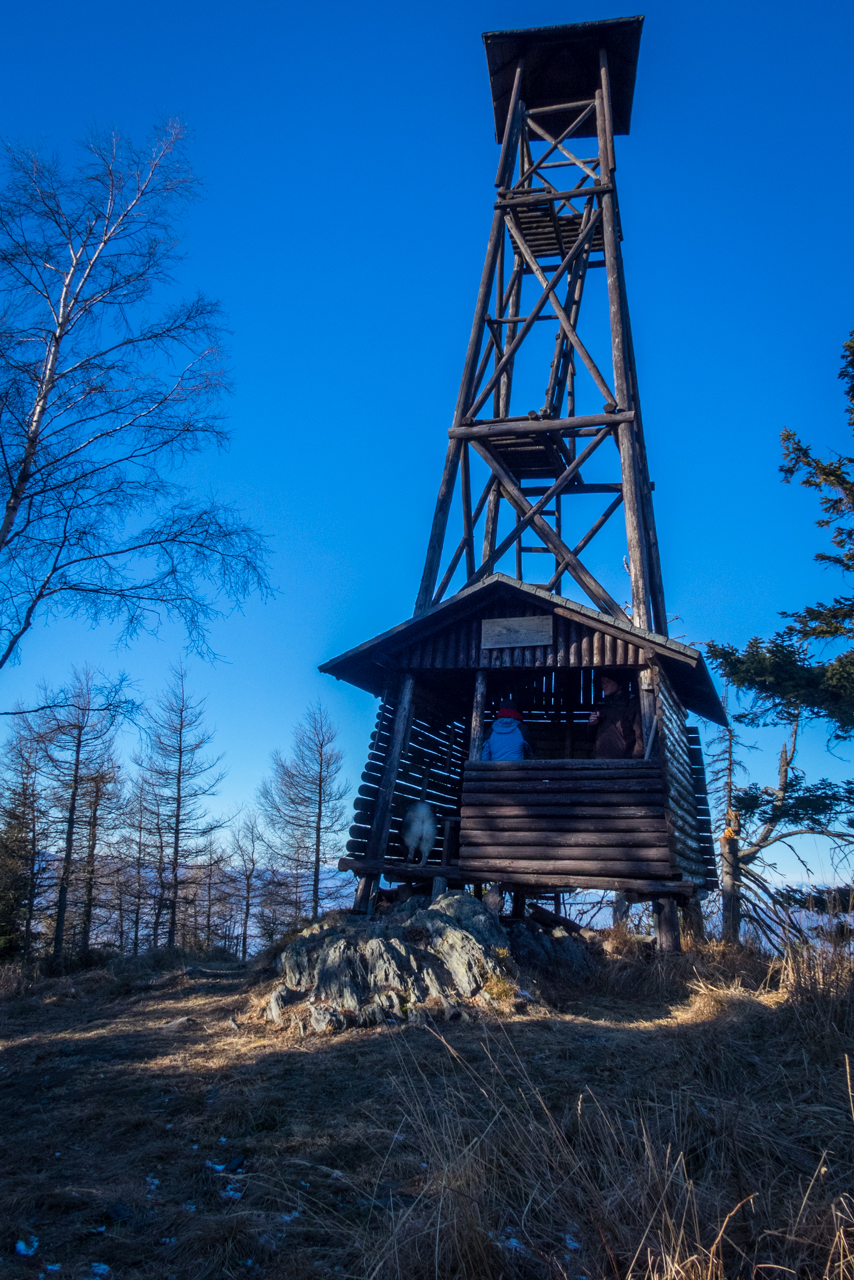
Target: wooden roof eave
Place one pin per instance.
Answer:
(366, 664)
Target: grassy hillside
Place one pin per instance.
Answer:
(689, 1117)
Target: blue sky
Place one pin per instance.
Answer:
(348, 157)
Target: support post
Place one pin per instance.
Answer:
(440, 886)
(477, 710)
(364, 893)
(666, 919)
(619, 908)
(378, 838)
(632, 500)
(518, 908)
(692, 918)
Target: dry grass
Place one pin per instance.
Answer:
(682, 1118)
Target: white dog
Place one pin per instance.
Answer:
(418, 831)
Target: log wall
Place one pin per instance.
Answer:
(561, 824)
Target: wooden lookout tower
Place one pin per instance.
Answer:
(537, 486)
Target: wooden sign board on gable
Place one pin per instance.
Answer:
(515, 633)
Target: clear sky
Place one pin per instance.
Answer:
(348, 156)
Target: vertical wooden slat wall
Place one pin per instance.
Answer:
(431, 769)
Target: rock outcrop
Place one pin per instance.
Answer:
(411, 960)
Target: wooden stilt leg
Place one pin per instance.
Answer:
(440, 886)
(620, 908)
(479, 702)
(378, 838)
(666, 925)
(519, 898)
(364, 890)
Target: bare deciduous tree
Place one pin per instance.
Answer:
(179, 778)
(303, 799)
(75, 731)
(101, 396)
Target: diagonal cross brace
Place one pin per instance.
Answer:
(515, 230)
(556, 545)
(548, 290)
(556, 143)
(540, 505)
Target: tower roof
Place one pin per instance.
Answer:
(562, 65)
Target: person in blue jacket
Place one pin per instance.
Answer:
(507, 741)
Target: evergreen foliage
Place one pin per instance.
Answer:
(789, 675)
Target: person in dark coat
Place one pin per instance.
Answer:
(617, 719)
(507, 740)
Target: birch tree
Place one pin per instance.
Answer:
(108, 380)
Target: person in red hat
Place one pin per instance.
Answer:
(507, 740)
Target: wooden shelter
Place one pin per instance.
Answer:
(566, 818)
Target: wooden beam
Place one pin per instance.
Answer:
(521, 426)
(510, 130)
(381, 820)
(563, 106)
(478, 705)
(468, 523)
(490, 529)
(514, 201)
(635, 534)
(491, 484)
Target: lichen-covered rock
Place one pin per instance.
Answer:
(381, 969)
(368, 972)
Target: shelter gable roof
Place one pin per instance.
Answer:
(684, 664)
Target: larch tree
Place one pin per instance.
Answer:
(246, 857)
(25, 828)
(179, 779)
(75, 730)
(108, 380)
(303, 799)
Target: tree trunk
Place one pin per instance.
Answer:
(730, 888)
(247, 907)
(160, 903)
(65, 874)
(318, 827)
(89, 878)
(31, 877)
(176, 852)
